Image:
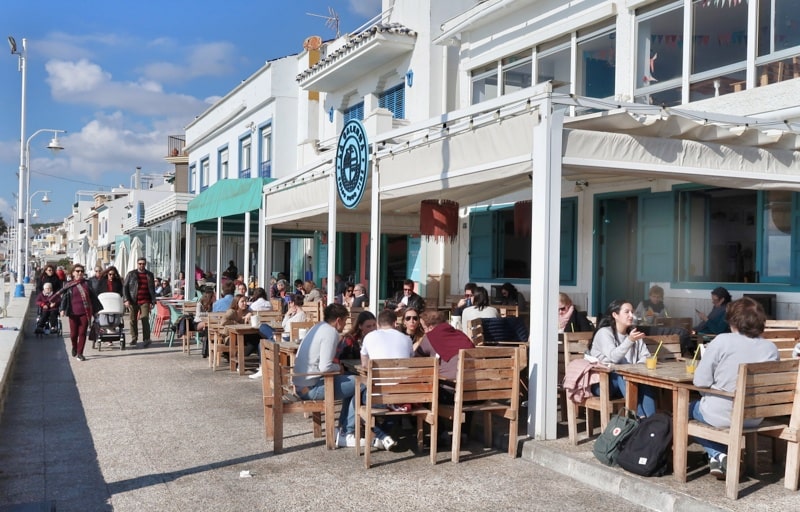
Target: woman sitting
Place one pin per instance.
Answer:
(239, 313)
(617, 341)
(48, 311)
(350, 345)
(569, 318)
(293, 314)
(412, 326)
(480, 309)
(260, 301)
(714, 322)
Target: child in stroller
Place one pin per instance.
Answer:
(47, 320)
(108, 322)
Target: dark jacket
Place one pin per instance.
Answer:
(69, 293)
(578, 322)
(130, 288)
(52, 279)
(360, 302)
(102, 286)
(414, 301)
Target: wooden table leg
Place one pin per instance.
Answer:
(232, 338)
(680, 437)
(631, 395)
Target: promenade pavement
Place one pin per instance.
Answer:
(156, 430)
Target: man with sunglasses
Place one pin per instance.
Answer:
(465, 301)
(408, 298)
(140, 295)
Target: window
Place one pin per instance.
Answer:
(192, 178)
(244, 157)
(355, 112)
(394, 99)
(738, 236)
(554, 64)
(265, 167)
(205, 170)
(222, 166)
(484, 83)
(517, 72)
(659, 53)
(497, 253)
(597, 62)
(785, 32)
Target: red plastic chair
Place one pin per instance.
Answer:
(162, 319)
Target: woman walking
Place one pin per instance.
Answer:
(78, 303)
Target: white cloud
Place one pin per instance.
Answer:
(365, 7)
(84, 82)
(211, 59)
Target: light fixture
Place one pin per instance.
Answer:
(13, 44)
(35, 214)
(54, 145)
(580, 185)
(45, 199)
(410, 77)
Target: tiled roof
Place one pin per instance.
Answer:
(355, 42)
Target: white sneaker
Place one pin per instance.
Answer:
(256, 375)
(348, 441)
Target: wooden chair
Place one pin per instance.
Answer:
(313, 311)
(784, 339)
(670, 346)
(269, 317)
(389, 382)
(294, 335)
(475, 328)
(682, 322)
(277, 304)
(781, 324)
(763, 390)
(575, 345)
(280, 398)
(487, 382)
(508, 311)
(188, 333)
(216, 340)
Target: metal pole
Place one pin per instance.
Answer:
(19, 290)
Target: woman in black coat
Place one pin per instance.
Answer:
(110, 281)
(49, 276)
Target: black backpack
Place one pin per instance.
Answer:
(646, 450)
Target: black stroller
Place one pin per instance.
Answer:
(107, 326)
(47, 321)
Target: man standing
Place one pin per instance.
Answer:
(140, 294)
(316, 355)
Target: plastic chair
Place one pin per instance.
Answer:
(174, 317)
(162, 315)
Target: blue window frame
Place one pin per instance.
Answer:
(192, 178)
(223, 161)
(355, 112)
(245, 156)
(265, 152)
(205, 173)
(394, 99)
(497, 253)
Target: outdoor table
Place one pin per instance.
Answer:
(237, 332)
(352, 365)
(669, 375)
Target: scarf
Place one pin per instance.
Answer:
(563, 317)
(87, 304)
(447, 341)
(656, 308)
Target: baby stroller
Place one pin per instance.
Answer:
(47, 322)
(107, 326)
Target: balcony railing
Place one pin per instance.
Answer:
(244, 173)
(265, 170)
(176, 145)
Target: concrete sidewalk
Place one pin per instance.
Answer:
(154, 429)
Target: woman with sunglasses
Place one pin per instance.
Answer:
(412, 326)
(109, 282)
(569, 318)
(49, 276)
(480, 309)
(79, 303)
(347, 296)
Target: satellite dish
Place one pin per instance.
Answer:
(312, 43)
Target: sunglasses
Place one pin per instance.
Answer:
(78, 271)
(467, 295)
(415, 318)
(562, 309)
(407, 290)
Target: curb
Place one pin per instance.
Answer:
(627, 487)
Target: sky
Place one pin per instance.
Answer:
(120, 77)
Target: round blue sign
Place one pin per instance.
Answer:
(352, 163)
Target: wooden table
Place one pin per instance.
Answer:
(669, 375)
(237, 332)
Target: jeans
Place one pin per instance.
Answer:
(712, 448)
(388, 423)
(140, 311)
(646, 405)
(344, 389)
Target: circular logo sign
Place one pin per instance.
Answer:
(352, 163)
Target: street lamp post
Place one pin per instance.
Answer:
(45, 200)
(19, 290)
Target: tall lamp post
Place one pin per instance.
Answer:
(45, 200)
(19, 290)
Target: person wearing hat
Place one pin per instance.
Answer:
(715, 322)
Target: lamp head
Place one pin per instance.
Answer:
(45, 199)
(55, 146)
(13, 44)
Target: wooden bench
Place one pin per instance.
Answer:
(763, 390)
(280, 398)
(575, 346)
(413, 381)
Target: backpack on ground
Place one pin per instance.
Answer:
(619, 429)
(647, 449)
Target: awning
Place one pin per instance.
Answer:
(227, 198)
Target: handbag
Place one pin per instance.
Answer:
(619, 429)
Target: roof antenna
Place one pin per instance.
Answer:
(331, 20)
